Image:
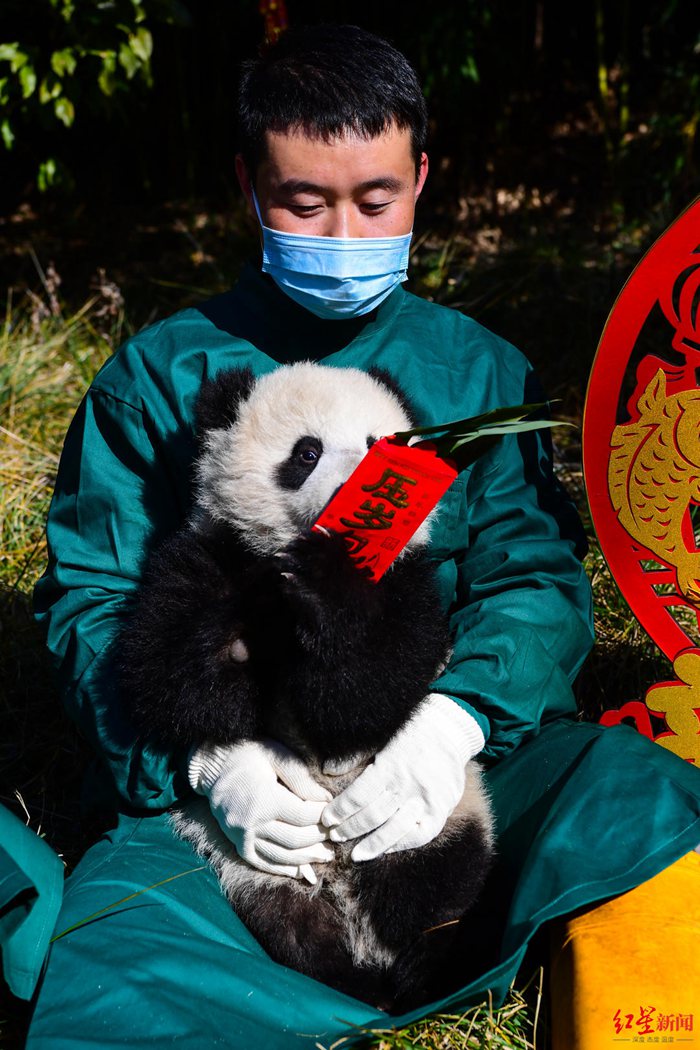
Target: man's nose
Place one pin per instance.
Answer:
(343, 221)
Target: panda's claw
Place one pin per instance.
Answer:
(238, 651)
(320, 558)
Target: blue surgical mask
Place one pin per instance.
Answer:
(334, 277)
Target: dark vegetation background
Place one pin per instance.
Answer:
(563, 135)
(564, 139)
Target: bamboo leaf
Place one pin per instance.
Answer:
(518, 427)
(497, 415)
(463, 441)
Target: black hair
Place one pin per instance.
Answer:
(327, 80)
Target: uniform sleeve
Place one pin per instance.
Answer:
(113, 497)
(522, 613)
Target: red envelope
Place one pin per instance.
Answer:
(385, 500)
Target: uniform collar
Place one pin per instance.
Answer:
(258, 311)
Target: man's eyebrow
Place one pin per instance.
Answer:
(292, 186)
(389, 183)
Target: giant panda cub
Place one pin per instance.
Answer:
(250, 625)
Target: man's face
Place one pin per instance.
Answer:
(347, 187)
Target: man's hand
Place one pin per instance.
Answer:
(276, 828)
(405, 796)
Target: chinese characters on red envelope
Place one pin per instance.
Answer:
(385, 500)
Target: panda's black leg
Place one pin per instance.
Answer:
(415, 900)
(302, 930)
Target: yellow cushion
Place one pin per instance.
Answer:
(628, 970)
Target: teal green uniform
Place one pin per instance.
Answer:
(583, 812)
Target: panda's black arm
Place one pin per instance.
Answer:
(369, 650)
(182, 654)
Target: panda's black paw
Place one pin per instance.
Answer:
(319, 563)
(319, 577)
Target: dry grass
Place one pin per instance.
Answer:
(47, 359)
(515, 1026)
(46, 363)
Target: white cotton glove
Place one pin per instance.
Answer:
(276, 828)
(404, 797)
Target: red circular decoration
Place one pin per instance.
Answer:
(653, 561)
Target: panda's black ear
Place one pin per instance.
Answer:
(220, 398)
(387, 380)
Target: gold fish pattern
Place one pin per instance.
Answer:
(679, 703)
(654, 474)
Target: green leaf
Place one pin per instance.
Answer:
(469, 70)
(64, 110)
(139, 13)
(464, 456)
(18, 60)
(497, 415)
(49, 89)
(4, 93)
(64, 62)
(491, 436)
(46, 175)
(141, 43)
(7, 134)
(128, 60)
(8, 52)
(106, 79)
(27, 78)
(514, 427)
(465, 440)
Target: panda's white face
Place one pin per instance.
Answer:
(297, 438)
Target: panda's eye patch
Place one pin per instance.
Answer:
(293, 472)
